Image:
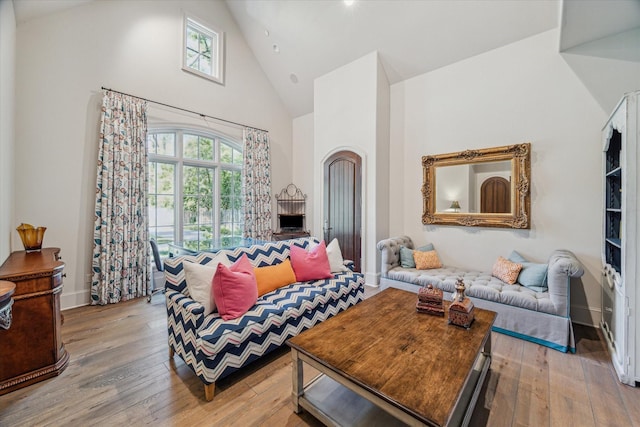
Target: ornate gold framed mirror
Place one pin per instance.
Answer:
(478, 188)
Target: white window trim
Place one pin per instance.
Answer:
(217, 65)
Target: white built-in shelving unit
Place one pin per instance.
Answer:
(621, 226)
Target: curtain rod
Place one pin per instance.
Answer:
(188, 111)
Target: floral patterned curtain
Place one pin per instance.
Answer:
(256, 185)
(120, 262)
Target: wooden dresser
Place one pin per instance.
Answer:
(31, 350)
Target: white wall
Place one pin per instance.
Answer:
(518, 93)
(302, 167)
(7, 112)
(130, 46)
(351, 112)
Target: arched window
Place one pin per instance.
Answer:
(195, 188)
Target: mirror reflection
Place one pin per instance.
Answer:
(474, 188)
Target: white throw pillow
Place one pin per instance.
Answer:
(336, 263)
(199, 279)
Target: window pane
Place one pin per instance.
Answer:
(152, 145)
(192, 39)
(153, 203)
(190, 237)
(190, 144)
(237, 212)
(204, 65)
(190, 180)
(237, 157)
(152, 177)
(164, 236)
(166, 143)
(206, 148)
(189, 210)
(192, 59)
(205, 214)
(226, 154)
(206, 235)
(205, 181)
(166, 178)
(205, 45)
(165, 210)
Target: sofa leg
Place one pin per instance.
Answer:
(171, 352)
(209, 391)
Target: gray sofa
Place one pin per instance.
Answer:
(540, 317)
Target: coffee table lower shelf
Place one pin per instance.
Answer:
(335, 401)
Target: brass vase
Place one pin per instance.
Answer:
(31, 237)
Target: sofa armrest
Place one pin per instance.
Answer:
(183, 310)
(562, 266)
(390, 252)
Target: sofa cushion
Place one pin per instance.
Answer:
(307, 295)
(336, 262)
(234, 288)
(481, 285)
(506, 270)
(312, 264)
(199, 280)
(273, 277)
(532, 275)
(426, 260)
(406, 255)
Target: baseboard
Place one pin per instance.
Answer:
(74, 299)
(372, 279)
(588, 316)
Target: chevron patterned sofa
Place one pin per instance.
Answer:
(540, 317)
(214, 348)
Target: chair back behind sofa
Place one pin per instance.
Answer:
(269, 253)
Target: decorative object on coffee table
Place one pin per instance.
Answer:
(430, 301)
(461, 308)
(31, 236)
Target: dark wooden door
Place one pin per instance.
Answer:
(342, 203)
(495, 195)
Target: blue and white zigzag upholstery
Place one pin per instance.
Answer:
(214, 348)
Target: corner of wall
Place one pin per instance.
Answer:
(7, 123)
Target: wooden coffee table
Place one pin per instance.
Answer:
(382, 363)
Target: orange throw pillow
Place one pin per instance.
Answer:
(272, 277)
(426, 260)
(506, 270)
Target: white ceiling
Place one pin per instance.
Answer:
(412, 37)
(27, 10)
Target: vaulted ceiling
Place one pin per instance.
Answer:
(298, 41)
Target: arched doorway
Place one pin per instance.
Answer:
(342, 203)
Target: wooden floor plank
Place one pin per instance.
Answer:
(120, 374)
(606, 401)
(506, 364)
(532, 403)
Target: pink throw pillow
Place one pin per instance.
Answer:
(311, 265)
(234, 288)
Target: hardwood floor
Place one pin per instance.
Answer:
(120, 374)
